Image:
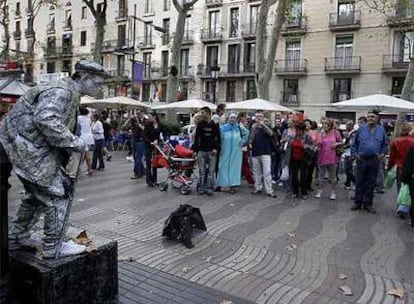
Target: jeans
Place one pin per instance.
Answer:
(150, 172)
(275, 165)
(139, 149)
(367, 170)
(261, 170)
(298, 176)
(97, 154)
(207, 165)
(349, 171)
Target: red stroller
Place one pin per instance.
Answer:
(179, 162)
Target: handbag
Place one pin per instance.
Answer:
(390, 178)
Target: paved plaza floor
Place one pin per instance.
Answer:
(256, 250)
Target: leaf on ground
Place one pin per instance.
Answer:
(397, 292)
(346, 290)
(226, 302)
(208, 259)
(231, 204)
(186, 269)
(343, 276)
(291, 247)
(91, 249)
(81, 199)
(292, 235)
(83, 239)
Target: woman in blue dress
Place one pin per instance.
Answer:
(234, 137)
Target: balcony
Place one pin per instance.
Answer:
(111, 45)
(146, 43)
(288, 98)
(296, 67)
(28, 33)
(50, 53)
(58, 52)
(343, 65)
(401, 17)
(17, 35)
(165, 38)
(122, 15)
(395, 64)
(188, 38)
(337, 96)
(214, 3)
(248, 31)
(228, 70)
(211, 35)
(67, 27)
(295, 26)
(51, 29)
(345, 21)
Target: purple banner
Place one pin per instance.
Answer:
(138, 76)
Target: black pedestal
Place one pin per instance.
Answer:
(86, 278)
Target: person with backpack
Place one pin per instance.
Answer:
(234, 137)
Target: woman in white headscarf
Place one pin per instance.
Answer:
(234, 137)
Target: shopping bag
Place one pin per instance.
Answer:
(404, 197)
(285, 174)
(390, 178)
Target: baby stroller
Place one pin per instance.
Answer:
(180, 165)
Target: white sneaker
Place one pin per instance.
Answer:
(318, 194)
(333, 196)
(71, 248)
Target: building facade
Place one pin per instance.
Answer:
(328, 51)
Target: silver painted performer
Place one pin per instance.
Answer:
(38, 136)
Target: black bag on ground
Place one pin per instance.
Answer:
(181, 222)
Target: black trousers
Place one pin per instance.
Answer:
(298, 171)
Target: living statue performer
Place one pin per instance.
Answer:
(38, 136)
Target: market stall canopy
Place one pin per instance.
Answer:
(186, 104)
(257, 104)
(13, 87)
(378, 101)
(114, 102)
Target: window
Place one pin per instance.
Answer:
(120, 64)
(234, 21)
(346, 12)
(183, 88)
(233, 58)
(84, 13)
(68, 18)
(343, 52)
(51, 67)
(295, 15)
(146, 92)
(163, 93)
(167, 5)
(67, 66)
(83, 38)
(187, 35)
(122, 35)
(251, 89)
(250, 57)
(67, 43)
(231, 91)
(122, 7)
(148, 33)
(30, 45)
(290, 91)
(148, 9)
(17, 44)
(147, 64)
(29, 24)
(214, 23)
(404, 8)
(18, 9)
(51, 44)
(397, 85)
(403, 46)
(211, 56)
(253, 17)
(30, 5)
(166, 35)
(164, 63)
(293, 54)
(184, 62)
(208, 94)
(17, 26)
(341, 89)
(51, 21)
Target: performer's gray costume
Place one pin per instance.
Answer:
(38, 137)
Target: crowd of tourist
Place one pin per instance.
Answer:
(300, 156)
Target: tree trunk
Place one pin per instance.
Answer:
(99, 37)
(172, 81)
(406, 94)
(264, 67)
(5, 52)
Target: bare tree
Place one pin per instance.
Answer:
(401, 14)
(99, 13)
(265, 64)
(172, 81)
(4, 22)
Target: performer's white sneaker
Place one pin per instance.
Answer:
(68, 248)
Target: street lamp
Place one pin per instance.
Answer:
(214, 76)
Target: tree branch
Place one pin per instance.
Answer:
(177, 6)
(188, 5)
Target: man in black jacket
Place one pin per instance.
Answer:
(206, 144)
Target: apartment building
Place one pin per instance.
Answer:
(328, 51)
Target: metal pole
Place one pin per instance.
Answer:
(133, 48)
(214, 88)
(5, 170)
